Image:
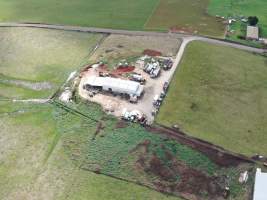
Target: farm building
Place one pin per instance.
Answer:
(252, 32)
(260, 186)
(115, 85)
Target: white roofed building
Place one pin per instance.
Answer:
(252, 32)
(115, 85)
(260, 187)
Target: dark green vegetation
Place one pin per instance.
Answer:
(219, 94)
(239, 8)
(132, 153)
(185, 15)
(35, 62)
(35, 161)
(96, 13)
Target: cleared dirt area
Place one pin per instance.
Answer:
(131, 49)
(123, 46)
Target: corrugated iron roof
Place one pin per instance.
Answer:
(260, 187)
(253, 32)
(115, 84)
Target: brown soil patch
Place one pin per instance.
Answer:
(100, 126)
(144, 144)
(217, 154)
(121, 124)
(151, 52)
(122, 70)
(176, 29)
(175, 177)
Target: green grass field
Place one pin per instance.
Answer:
(36, 56)
(185, 15)
(96, 13)
(219, 94)
(232, 8)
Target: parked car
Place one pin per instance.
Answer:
(138, 78)
(165, 86)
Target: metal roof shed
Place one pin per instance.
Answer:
(253, 32)
(260, 187)
(116, 85)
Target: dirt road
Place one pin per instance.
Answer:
(140, 33)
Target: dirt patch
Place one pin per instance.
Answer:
(124, 46)
(122, 70)
(151, 52)
(144, 144)
(100, 126)
(175, 177)
(121, 124)
(176, 14)
(176, 29)
(217, 154)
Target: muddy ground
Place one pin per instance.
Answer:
(217, 154)
(177, 178)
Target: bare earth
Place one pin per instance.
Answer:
(122, 46)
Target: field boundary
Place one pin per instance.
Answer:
(135, 33)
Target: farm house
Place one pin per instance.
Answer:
(114, 85)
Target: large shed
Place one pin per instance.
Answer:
(253, 32)
(115, 85)
(260, 187)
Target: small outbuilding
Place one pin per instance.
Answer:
(252, 33)
(260, 187)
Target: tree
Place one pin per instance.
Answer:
(253, 20)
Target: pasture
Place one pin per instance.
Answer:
(182, 15)
(189, 16)
(119, 14)
(219, 94)
(35, 62)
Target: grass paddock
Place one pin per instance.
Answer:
(219, 94)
